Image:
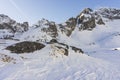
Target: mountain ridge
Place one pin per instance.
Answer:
(86, 47)
(88, 19)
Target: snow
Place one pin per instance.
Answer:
(35, 34)
(40, 65)
(100, 61)
(5, 33)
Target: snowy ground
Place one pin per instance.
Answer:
(102, 64)
(101, 60)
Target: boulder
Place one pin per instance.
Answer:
(25, 47)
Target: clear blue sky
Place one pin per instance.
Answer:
(55, 10)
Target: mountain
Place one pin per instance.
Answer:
(53, 30)
(73, 29)
(86, 20)
(11, 26)
(85, 47)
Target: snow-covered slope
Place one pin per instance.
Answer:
(96, 33)
(40, 65)
(43, 31)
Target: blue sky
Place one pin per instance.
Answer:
(55, 10)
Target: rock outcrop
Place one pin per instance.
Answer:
(110, 13)
(68, 26)
(62, 48)
(25, 47)
(12, 25)
(48, 27)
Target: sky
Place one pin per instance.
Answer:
(53, 10)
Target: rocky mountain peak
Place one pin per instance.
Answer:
(87, 11)
(110, 13)
(10, 25)
(43, 23)
(2, 16)
(6, 19)
(88, 19)
(43, 31)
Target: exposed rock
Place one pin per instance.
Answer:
(25, 47)
(68, 26)
(60, 44)
(48, 27)
(52, 30)
(86, 20)
(7, 58)
(63, 50)
(100, 22)
(110, 13)
(12, 25)
(88, 25)
(77, 49)
(65, 45)
(25, 25)
(53, 41)
(8, 27)
(87, 11)
(98, 18)
(59, 48)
